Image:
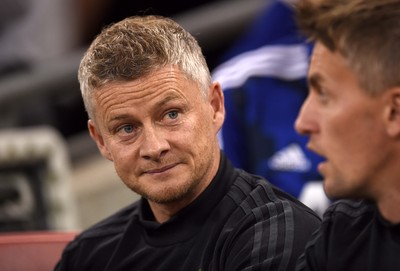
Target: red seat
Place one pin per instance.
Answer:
(33, 251)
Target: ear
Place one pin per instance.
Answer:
(216, 98)
(98, 138)
(393, 112)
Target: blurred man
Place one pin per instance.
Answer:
(155, 113)
(352, 118)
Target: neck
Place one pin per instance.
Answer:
(389, 206)
(163, 212)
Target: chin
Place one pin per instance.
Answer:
(168, 195)
(335, 193)
(331, 190)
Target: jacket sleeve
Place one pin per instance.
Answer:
(271, 237)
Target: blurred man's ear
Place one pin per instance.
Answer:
(98, 138)
(393, 112)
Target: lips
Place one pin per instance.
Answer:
(321, 167)
(313, 148)
(159, 170)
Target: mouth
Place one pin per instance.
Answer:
(322, 165)
(314, 149)
(160, 170)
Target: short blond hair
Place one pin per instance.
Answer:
(365, 32)
(136, 46)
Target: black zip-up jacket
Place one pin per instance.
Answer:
(353, 237)
(240, 222)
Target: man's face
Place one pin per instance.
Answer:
(160, 132)
(345, 125)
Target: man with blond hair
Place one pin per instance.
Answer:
(352, 118)
(155, 113)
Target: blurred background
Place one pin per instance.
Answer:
(52, 176)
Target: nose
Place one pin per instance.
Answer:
(306, 123)
(154, 144)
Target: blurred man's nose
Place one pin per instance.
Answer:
(305, 123)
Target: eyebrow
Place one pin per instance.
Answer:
(167, 99)
(119, 117)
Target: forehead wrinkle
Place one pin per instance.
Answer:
(140, 92)
(170, 93)
(163, 83)
(170, 97)
(157, 77)
(105, 93)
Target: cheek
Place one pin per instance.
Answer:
(205, 133)
(123, 157)
(355, 144)
(199, 138)
(347, 130)
(200, 128)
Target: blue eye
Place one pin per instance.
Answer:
(173, 114)
(128, 129)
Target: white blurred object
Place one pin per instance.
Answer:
(313, 195)
(26, 145)
(33, 31)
